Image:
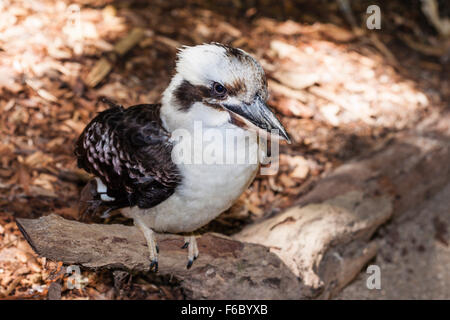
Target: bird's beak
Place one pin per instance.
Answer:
(258, 114)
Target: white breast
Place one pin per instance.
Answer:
(206, 189)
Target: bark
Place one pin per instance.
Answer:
(225, 268)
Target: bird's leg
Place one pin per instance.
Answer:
(191, 243)
(149, 235)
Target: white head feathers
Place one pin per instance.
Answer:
(208, 63)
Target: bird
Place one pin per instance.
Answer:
(144, 159)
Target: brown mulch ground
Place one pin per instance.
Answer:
(340, 92)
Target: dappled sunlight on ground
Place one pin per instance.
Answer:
(336, 92)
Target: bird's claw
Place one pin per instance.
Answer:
(191, 262)
(191, 244)
(154, 266)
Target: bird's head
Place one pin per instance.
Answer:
(217, 84)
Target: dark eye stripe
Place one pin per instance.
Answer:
(187, 94)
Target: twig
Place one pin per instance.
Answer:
(104, 66)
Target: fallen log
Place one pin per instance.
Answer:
(225, 269)
(326, 239)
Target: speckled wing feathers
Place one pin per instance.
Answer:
(130, 151)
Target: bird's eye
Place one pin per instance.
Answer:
(219, 90)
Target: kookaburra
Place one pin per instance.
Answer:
(131, 151)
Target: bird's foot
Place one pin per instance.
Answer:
(191, 244)
(149, 235)
(154, 250)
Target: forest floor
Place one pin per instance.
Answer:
(340, 92)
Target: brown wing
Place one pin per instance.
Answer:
(130, 151)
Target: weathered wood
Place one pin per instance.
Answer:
(225, 269)
(325, 244)
(326, 238)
